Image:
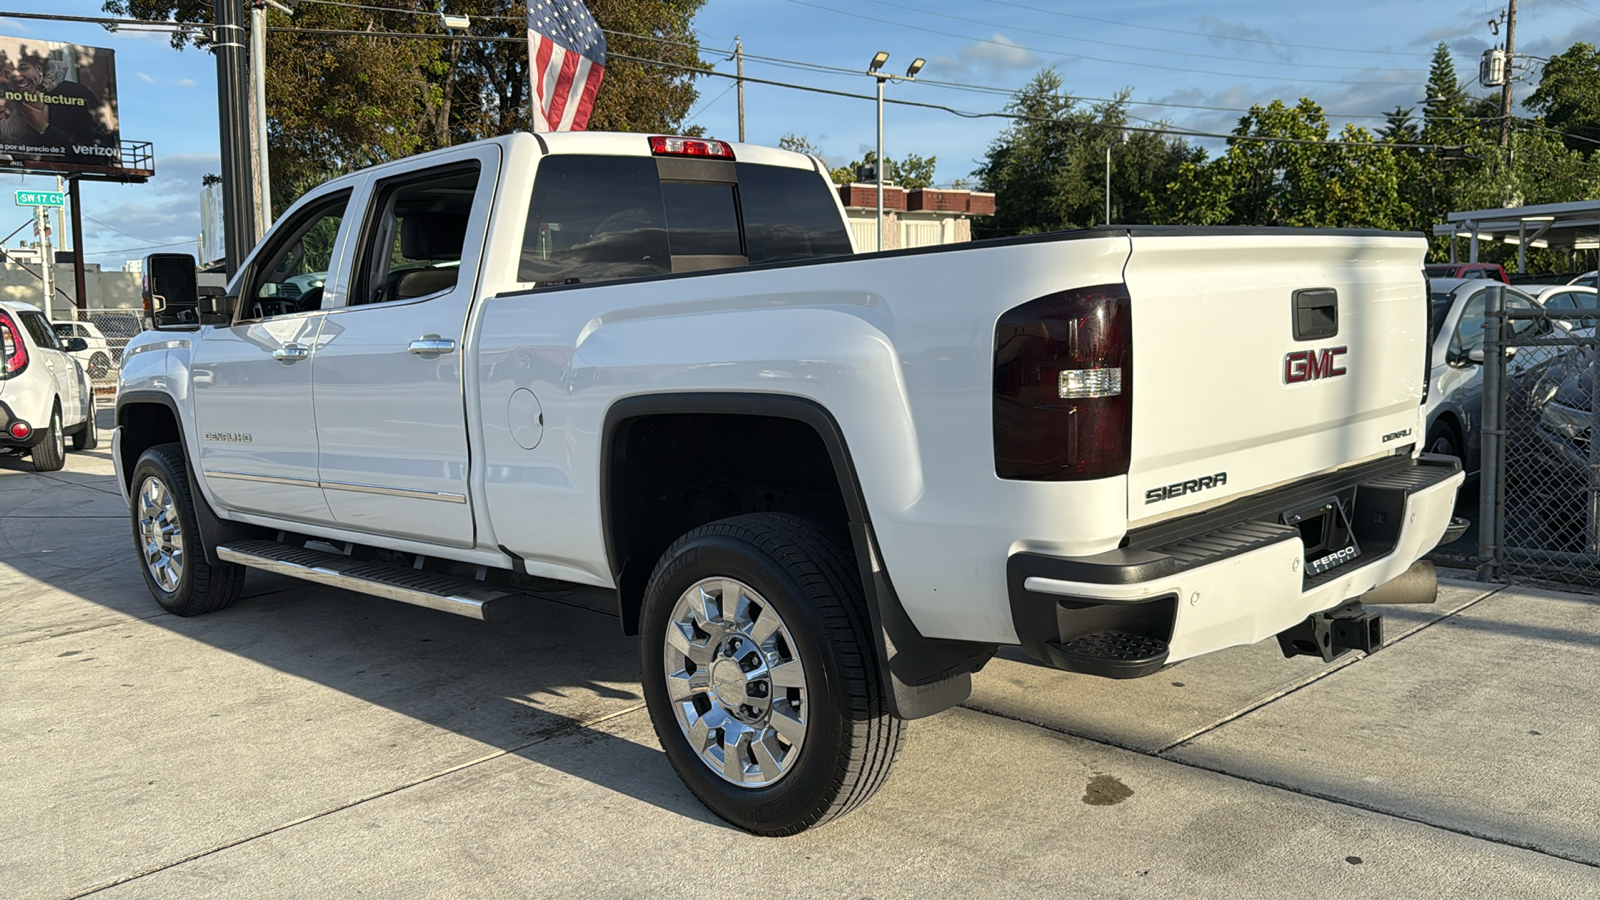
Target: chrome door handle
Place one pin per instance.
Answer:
(291, 352)
(433, 344)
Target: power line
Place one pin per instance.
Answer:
(1581, 7)
(104, 20)
(1057, 53)
(1105, 43)
(1220, 37)
(703, 70)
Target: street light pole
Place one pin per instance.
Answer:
(877, 175)
(1108, 177)
(875, 70)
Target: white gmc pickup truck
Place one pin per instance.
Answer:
(825, 486)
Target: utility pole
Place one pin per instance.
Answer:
(46, 260)
(239, 219)
(1505, 89)
(738, 52)
(258, 97)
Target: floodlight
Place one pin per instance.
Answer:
(878, 61)
(916, 66)
(455, 22)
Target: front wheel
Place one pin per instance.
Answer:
(760, 673)
(168, 538)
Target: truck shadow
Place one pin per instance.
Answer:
(557, 666)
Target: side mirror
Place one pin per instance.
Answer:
(73, 345)
(1475, 356)
(171, 299)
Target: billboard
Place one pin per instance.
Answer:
(58, 106)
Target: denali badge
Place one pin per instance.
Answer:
(1332, 560)
(231, 437)
(1192, 486)
(1312, 365)
(1396, 435)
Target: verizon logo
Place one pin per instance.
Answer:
(90, 150)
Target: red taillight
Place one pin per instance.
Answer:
(13, 351)
(1063, 386)
(682, 146)
(20, 430)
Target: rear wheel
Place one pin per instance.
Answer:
(1443, 441)
(760, 674)
(50, 454)
(168, 538)
(88, 437)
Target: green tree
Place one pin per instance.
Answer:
(909, 171)
(1301, 179)
(338, 103)
(1568, 96)
(1047, 168)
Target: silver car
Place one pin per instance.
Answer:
(1455, 374)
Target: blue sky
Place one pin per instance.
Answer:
(1357, 57)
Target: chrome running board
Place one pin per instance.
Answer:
(448, 593)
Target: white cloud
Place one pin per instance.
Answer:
(184, 83)
(998, 58)
(166, 211)
(1254, 39)
(144, 78)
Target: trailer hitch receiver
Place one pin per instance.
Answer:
(1333, 633)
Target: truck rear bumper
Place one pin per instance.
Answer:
(1234, 575)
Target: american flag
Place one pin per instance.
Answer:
(568, 52)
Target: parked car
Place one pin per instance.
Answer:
(825, 486)
(1493, 271)
(45, 396)
(1455, 381)
(98, 356)
(1587, 279)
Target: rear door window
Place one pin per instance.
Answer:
(39, 330)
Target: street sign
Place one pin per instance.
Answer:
(41, 198)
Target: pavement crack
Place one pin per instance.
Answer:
(546, 737)
(1313, 679)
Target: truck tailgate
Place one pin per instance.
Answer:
(1231, 397)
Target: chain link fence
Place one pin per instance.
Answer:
(1540, 490)
(107, 332)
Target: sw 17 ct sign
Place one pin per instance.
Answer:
(41, 198)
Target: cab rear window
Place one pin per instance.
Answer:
(597, 218)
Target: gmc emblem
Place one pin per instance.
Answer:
(1311, 365)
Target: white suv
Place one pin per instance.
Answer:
(44, 394)
(98, 356)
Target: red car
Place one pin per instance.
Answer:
(1467, 270)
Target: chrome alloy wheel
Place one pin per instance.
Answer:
(736, 682)
(160, 534)
(56, 436)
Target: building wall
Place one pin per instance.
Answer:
(103, 290)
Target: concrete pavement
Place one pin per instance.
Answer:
(316, 742)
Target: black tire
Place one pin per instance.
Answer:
(99, 366)
(199, 587)
(1442, 439)
(809, 577)
(87, 437)
(50, 454)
